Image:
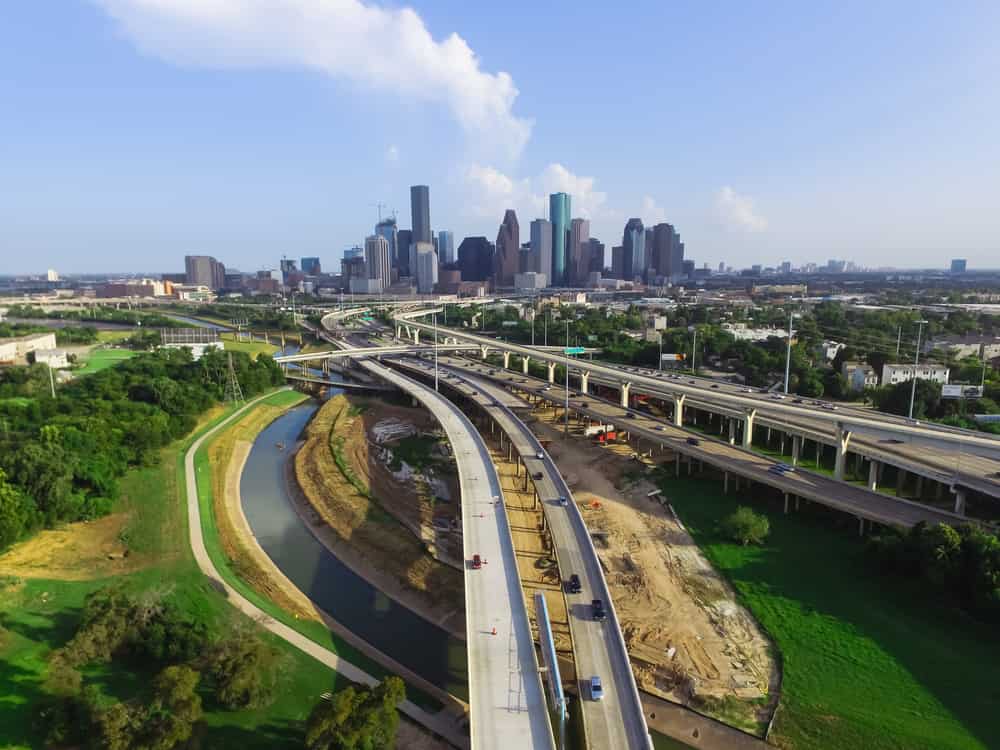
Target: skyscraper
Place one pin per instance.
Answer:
(446, 246)
(634, 242)
(387, 228)
(958, 265)
(204, 270)
(426, 265)
(505, 260)
(579, 263)
(541, 248)
(377, 261)
(618, 262)
(420, 213)
(310, 266)
(475, 258)
(559, 215)
(596, 255)
(404, 238)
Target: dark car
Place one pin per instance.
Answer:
(693, 441)
(573, 586)
(537, 475)
(630, 415)
(597, 610)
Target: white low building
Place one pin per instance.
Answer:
(54, 358)
(530, 280)
(903, 373)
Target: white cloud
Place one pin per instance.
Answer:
(392, 154)
(652, 212)
(387, 49)
(490, 192)
(737, 211)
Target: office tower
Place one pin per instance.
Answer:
(475, 258)
(524, 264)
(204, 270)
(541, 248)
(352, 266)
(377, 263)
(420, 213)
(559, 215)
(634, 242)
(722, 266)
(404, 239)
(618, 262)
(648, 257)
(578, 264)
(287, 266)
(387, 228)
(508, 246)
(426, 265)
(311, 266)
(595, 254)
(446, 246)
(687, 269)
(668, 251)
(786, 267)
(958, 265)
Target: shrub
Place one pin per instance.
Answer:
(746, 527)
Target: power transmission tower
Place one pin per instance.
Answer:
(233, 392)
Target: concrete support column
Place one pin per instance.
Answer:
(584, 383)
(416, 336)
(679, 410)
(900, 481)
(873, 475)
(920, 486)
(552, 371)
(524, 364)
(399, 332)
(725, 482)
(484, 351)
(506, 360)
(748, 427)
(796, 449)
(959, 500)
(781, 443)
(843, 440)
(690, 462)
(861, 526)
(786, 503)
(626, 387)
(732, 431)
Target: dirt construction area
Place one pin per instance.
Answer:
(689, 640)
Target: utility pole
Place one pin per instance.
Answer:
(694, 350)
(566, 412)
(916, 361)
(659, 362)
(899, 339)
(546, 339)
(435, 317)
(788, 352)
(532, 329)
(52, 382)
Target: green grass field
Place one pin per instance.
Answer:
(38, 615)
(101, 359)
(252, 348)
(869, 661)
(105, 337)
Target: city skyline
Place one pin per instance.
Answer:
(140, 132)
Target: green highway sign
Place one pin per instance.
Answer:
(574, 350)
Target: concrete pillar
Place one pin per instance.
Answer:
(510, 451)
(861, 526)
(873, 475)
(938, 490)
(767, 438)
(959, 500)
(677, 460)
(484, 351)
(584, 382)
(748, 427)
(900, 480)
(781, 443)
(796, 449)
(399, 332)
(786, 503)
(626, 387)
(506, 360)
(732, 431)
(524, 364)
(843, 440)
(690, 461)
(552, 371)
(416, 336)
(725, 482)
(920, 486)
(679, 410)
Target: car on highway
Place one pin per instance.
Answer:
(596, 688)
(830, 407)
(798, 401)
(584, 404)
(693, 441)
(477, 562)
(748, 390)
(777, 397)
(563, 501)
(661, 428)
(537, 475)
(573, 586)
(597, 610)
(715, 385)
(539, 455)
(630, 415)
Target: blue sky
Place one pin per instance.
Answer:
(133, 132)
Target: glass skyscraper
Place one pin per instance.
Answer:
(420, 213)
(559, 215)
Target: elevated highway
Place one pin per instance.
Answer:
(617, 721)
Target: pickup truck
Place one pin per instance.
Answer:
(597, 610)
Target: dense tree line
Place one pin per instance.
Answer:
(103, 314)
(149, 634)
(960, 563)
(61, 458)
(357, 718)
(64, 336)
(259, 316)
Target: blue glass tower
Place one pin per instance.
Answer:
(559, 215)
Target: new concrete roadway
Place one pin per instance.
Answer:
(506, 701)
(617, 722)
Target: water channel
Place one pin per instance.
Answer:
(387, 625)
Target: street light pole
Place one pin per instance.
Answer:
(916, 361)
(694, 351)
(435, 319)
(788, 352)
(659, 362)
(566, 412)
(546, 338)
(532, 329)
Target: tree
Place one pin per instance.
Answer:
(18, 513)
(245, 670)
(357, 718)
(746, 527)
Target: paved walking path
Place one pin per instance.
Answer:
(437, 723)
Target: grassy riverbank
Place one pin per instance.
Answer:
(39, 612)
(868, 661)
